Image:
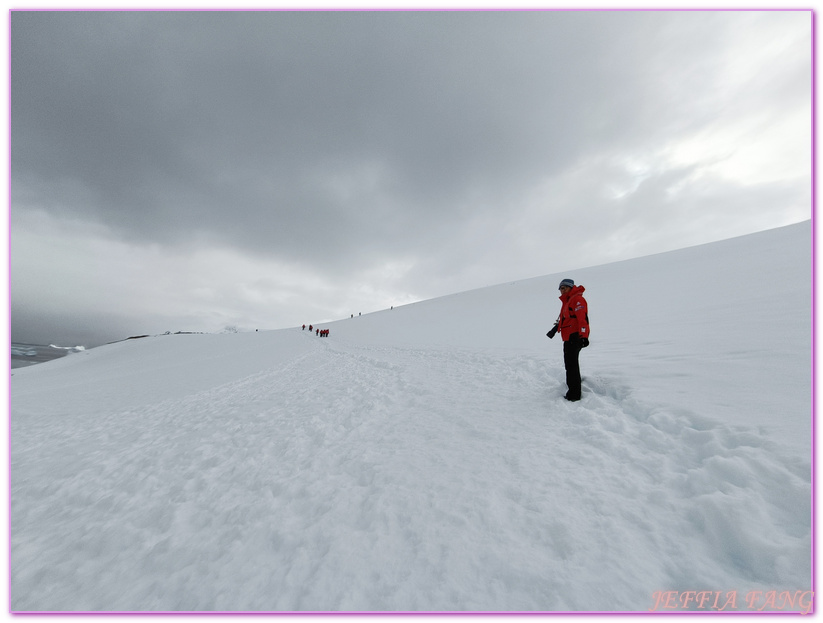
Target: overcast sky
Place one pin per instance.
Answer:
(189, 171)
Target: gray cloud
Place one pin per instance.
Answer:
(445, 142)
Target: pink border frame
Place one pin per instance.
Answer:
(466, 613)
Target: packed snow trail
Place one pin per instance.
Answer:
(359, 477)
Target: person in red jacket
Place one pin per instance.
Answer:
(573, 324)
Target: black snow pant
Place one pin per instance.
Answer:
(571, 354)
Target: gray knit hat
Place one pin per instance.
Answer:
(566, 282)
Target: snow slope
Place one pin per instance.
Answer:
(423, 459)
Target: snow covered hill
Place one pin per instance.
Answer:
(423, 459)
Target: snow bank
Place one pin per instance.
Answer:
(422, 458)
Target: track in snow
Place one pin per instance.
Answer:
(383, 478)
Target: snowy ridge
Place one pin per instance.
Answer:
(422, 458)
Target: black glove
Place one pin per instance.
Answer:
(553, 332)
(584, 342)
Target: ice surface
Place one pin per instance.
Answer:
(422, 458)
(23, 350)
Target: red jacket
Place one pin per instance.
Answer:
(574, 317)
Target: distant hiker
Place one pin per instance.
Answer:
(304, 327)
(311, 328)
(573, 324)
(316, 333)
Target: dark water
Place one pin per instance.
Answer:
(23, 355)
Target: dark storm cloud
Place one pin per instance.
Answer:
(268, 167)
(310, 135)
